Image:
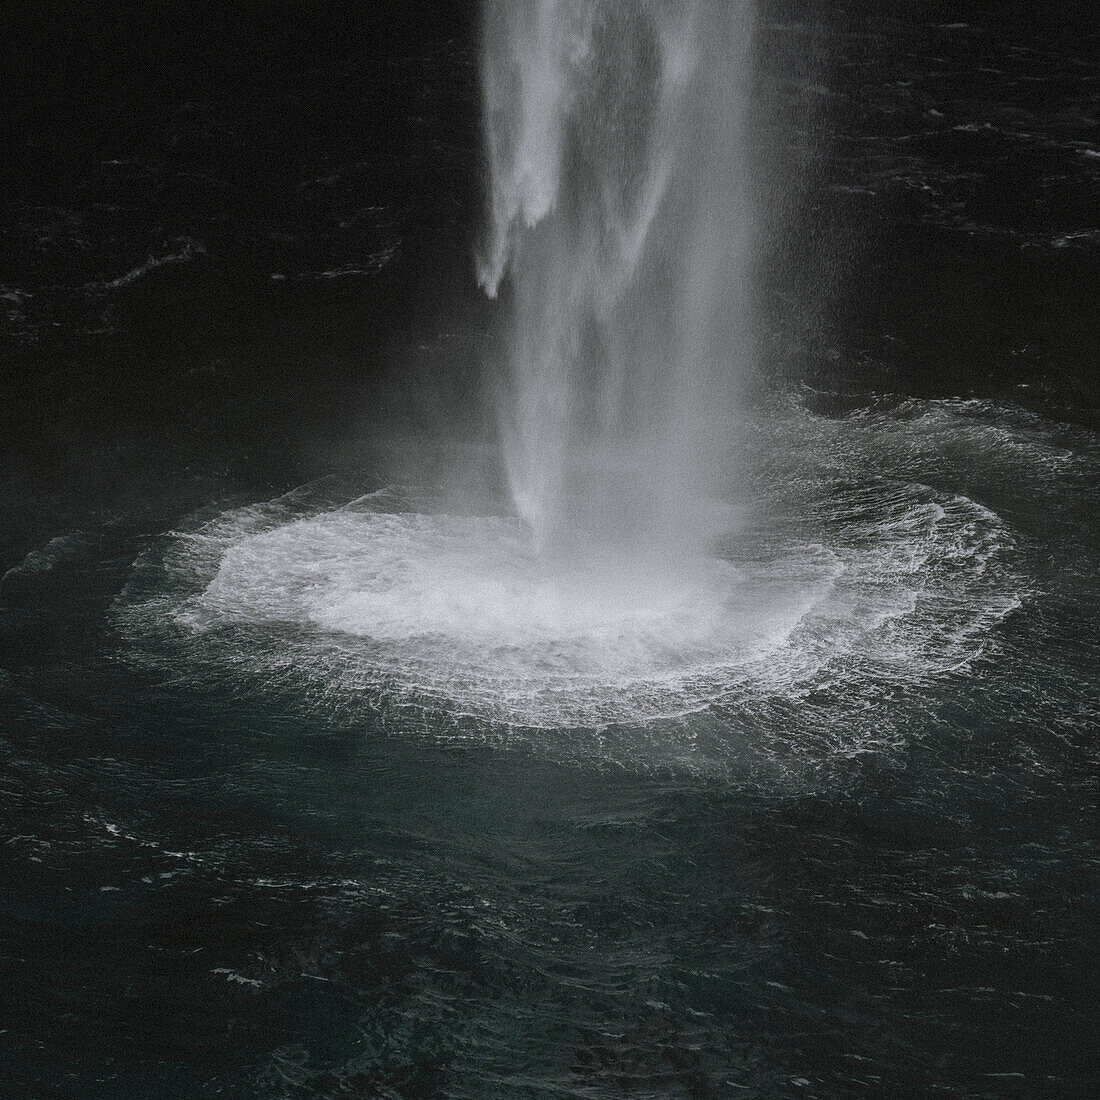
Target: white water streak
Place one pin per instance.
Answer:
(620, 217)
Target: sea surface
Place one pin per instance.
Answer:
(313, 785)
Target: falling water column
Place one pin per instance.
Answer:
(621, 227)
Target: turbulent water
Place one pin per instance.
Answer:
(831, 584)
(352, 770)
(331, 767)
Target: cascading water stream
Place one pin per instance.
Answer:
(621, 223)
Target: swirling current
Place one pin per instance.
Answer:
(844, 595)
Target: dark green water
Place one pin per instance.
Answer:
(239, 866)
(841, 839)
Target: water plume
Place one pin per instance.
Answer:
(620, 235)
(620, 597)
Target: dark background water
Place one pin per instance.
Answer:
(234, 255)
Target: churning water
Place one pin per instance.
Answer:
(717, 745)
(833, 584)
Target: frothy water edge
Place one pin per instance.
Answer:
(839, 598)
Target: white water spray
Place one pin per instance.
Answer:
(620, 223)
(621, 241)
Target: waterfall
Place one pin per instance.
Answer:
(620, 241)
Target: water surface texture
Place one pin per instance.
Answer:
(675, 676)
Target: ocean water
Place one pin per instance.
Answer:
(318, 782)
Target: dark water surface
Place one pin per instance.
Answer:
(247, 855)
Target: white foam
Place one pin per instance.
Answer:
(455, 612)
(836, 599)
(460, 608)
